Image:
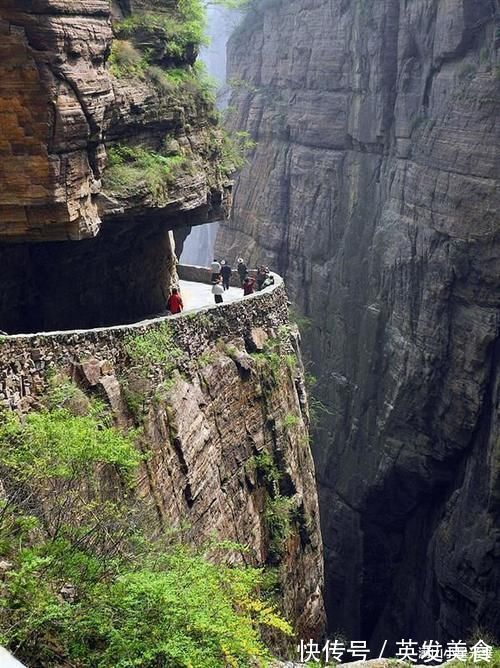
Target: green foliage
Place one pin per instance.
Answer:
(230, 4)
(88, 583)
(265, 467)
(155, 346)
(125, 60)
(270, 364)
(277, 515)
(58, 444)
(174, 608)
(302, 322)
(494, 662)
(176, 31)
(317, 409)
(274, 358)
(131, 166)
(311, 381)
(279, 509)
(184, 83)
(290, 421)
(205, 359)
(234, 150)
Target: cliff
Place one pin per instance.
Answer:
(110, 139)
(373, 189)
(216, 405)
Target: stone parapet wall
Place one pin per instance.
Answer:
(25, 360)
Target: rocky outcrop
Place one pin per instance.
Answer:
(61, 105)
(373, 190)
(103, 145)
(53, 96)
(223, 418)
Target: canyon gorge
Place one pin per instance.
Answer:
(373, 190)
(362, 484)
(129, 438)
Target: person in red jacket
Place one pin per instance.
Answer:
(174, 303)
(248, 286)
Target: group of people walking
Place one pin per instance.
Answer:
(221, 277)
(221, 273)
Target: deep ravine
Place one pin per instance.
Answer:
(373, 189)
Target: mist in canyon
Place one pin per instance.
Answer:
(198, 248)
(373, 189)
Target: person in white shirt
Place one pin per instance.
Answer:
(215, 267)
(218, 291)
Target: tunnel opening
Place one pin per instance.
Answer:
(120, 276)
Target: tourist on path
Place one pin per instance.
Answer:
(248, 286)
(225, 272)
(215, 267)
(242, 270)
(174, 303)
(218, 291)
(262, 274)
(269, 281)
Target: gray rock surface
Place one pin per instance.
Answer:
(373, 189)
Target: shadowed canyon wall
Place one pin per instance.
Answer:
(373, 189)
(109, 147)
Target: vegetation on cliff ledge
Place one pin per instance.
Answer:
(173, 35)
(88, 577)
(129, 167)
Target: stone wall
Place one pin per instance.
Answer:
(207, 406)
(24, 359)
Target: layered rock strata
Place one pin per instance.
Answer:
(219, 412)
(59, 107)
(98, 144)
(373, 189)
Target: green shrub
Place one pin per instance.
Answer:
(290, 421)
(155, 346)
(172, 33)
(206, 358)
(161, 79)
(265, 467)
(234, 150)
(55, 443)
(89, 582)
(130, 166)
(277, 516)
(173, 608)
(279, 509)
(125, 60)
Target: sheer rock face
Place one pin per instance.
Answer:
(372, 190)
(54, 91)
(60, 107)
(215, 420)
